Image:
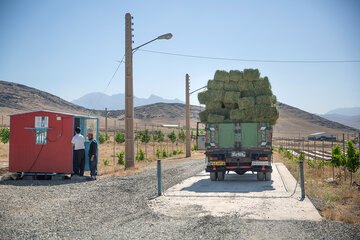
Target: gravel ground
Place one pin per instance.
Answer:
(117, 208)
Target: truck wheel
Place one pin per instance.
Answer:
(260, 176)
(221, 176)
(213, 176)
(268, 176)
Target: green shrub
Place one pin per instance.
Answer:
(288, 155)
(281, 148)
(174, 152)
(180, 151)
(102, 138)
(120, 157)
(106, 162)
(310, 164)
(158, 153)
(164, 154)
(4, 135)
(141, 155)
(119, 137)
(194, 148)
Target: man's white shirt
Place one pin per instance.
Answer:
(79, 141)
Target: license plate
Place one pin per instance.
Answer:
(259, 163)
(238, 154)
(217, 163)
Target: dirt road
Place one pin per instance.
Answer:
(118, 208)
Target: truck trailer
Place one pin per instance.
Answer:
(239, 147)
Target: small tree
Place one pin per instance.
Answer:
(192, 135)
(119, 137)
(4, 135)
(182, 135)
(172, 137)
(137, 138)
(352, 159)
(337, 157)
(158, 137)
(145, 138)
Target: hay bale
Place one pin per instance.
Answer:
(231, 97)
(264, 100)
(222, 76)
(215, 118)
(203, 97)
(262, 83)
(273, 100)
(214, 106)
(215, 95)
(231, 86)
(242, 115)
(230, 106)
(203, 116)
(246, 102)
(251, 74)
(245, 86)
(236, 75)
(216, 85)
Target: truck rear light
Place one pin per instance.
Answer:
(263, 169)
(214, 169)
(263, 158)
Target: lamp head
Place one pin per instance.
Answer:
(165, 36)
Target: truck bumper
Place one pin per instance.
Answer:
(241, 168)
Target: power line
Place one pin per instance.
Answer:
(122, 60)
(252, 60)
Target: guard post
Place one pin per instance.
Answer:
(159, 176)
(301, 165)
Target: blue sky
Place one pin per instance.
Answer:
(71, 48)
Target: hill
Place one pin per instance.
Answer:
(354, 111)
(16, 98)
(100, 101)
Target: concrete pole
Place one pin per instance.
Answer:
(129, 104)
(114, 141)
(106, 115)
(188, 139)
(344, 155)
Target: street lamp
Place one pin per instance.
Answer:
(129, 103)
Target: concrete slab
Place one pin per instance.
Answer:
(240, 195)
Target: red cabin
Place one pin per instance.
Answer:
(40, 142)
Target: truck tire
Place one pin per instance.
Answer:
(213, 176)
(268, 176)
(221, 176)
(260, 176)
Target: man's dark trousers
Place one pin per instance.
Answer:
(93, 166)
(79, 162)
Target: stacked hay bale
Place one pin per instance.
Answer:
(238, 96)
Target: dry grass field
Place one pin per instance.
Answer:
(337, 201)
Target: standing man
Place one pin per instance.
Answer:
(78, 141)
(92, 156)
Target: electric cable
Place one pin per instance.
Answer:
(252, 60)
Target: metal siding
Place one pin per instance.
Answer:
(249, 137)
(53, 157)
(226, 135)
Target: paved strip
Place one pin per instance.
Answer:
(240, 195)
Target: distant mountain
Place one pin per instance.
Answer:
(352, 121)
(100, 101)
(354, 111)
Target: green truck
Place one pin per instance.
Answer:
(238, 147)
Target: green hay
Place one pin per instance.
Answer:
(231, 97)
(273, 100)
(251, 74)
(264, 92)
(215, 118)
(215, 95)
(241, 115)
(222, 76)
(203, 97)
(236, 75)
(231, 86)
(215, 85)
(203, 116)
(245, 86)
(264, 100)
(214, 106)
(231, 105)
(246, 102)
(262, 84)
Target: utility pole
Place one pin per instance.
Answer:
(188, 139)
(129, 101)
(106, 115)
(114, 141)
